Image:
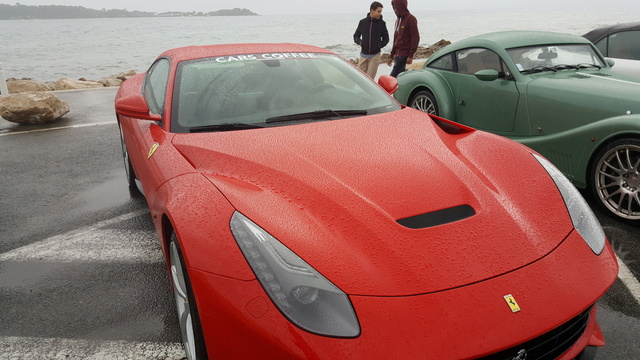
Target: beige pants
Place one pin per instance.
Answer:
(370, 66)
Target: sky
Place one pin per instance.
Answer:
(273, 7)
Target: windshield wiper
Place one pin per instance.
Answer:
(538, 69)
(223, 127)
(565, 67)
(318, 114)
(587, 65)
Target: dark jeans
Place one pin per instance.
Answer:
(400, 63)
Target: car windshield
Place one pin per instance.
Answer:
(540, 58)
(258, 90)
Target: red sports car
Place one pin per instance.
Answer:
(304, 214)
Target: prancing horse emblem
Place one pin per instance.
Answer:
(522, 355)
(513, 304)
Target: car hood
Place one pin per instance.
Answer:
(333, 191)
(591, 95)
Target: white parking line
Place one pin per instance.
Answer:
(57, 128)
(95, 243)
(15, 348)
(626, 276)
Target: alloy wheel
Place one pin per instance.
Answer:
(617, 180)
(423, 102)
(182, 301)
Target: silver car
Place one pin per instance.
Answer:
(621, 43)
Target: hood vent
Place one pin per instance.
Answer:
(439, 217)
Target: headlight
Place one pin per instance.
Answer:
(584, 221)
(302, 294)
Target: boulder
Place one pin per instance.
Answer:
(20, 86)
(425, 52)
(116, 80)
(416, 65)
(32, 107)
(68, 84)
(110, 81)
(125, 75)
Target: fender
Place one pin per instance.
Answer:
(413, 81)
(200, 216)
(579, 145)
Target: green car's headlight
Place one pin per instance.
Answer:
(302, 294)
(584, 221)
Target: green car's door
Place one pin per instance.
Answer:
(485, 105)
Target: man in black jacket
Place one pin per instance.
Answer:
(372, 36)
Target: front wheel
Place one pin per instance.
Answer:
(190, 327)
(615, 178)
(424, 101)
(130, 174)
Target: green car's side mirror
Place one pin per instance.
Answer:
(610, 62)
(487, 75)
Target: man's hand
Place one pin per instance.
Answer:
(390, 61)
(409, 60)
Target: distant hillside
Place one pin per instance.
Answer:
(22, 12)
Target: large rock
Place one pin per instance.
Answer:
(110, 81)
(68, 84)
(116, 80)
(32, 107)
(425, 52)
(20, 86)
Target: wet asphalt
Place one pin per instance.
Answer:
(81, 273)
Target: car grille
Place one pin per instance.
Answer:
(548, 346)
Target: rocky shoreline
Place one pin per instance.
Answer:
(26, 84)
(33, 102)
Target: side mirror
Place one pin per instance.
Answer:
(135, 106)
(487, 75)
(388, 83)
(610, 62)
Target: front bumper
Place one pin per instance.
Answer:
(468, 322)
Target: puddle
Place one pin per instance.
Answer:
(111, 193)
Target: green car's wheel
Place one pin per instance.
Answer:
(616, 178)
(424, 101)
(190, 328)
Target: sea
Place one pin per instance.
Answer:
(47, 50)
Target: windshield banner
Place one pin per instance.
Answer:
(272, 56)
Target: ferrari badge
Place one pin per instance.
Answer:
(152, 150)
(511, 301)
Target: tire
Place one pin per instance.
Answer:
(424, 101)
(190, 327)
(128, 168)
(615, 179)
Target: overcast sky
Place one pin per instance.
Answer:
(270, 7)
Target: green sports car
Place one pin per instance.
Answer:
(553, 92)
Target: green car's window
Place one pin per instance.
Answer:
(624, 45)
(473, 60)
(257, 89)
(558, 57)
(443, 63)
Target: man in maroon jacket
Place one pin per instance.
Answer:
(405, 38)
